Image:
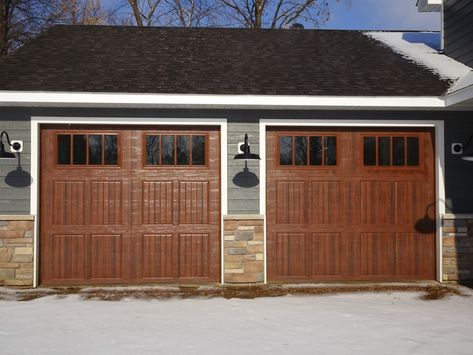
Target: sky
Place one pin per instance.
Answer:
(380, 15)
(371, 15)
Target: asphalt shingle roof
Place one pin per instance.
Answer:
(214, 61)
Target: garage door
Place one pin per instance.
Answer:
(350, 204)
(129, 205)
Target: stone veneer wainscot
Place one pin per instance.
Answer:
(16, 250)
(243, 249)
(457, 244)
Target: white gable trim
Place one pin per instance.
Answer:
(122, 100)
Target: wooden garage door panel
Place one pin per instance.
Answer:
(158, 199)
(68, 260)
(68, 202)
(327, 205)
(412, 202)
(159, 253)
(377, 202)
(354, 216)
(289, 249)
(290, 202)
(194, 252)
(377, 254)
(326, 254)
(194, 202)
(415, 254)
(106, 201)
(123, 219)
(106, 256)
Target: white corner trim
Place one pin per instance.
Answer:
(74, 99)
(36, 121)
(439, 163)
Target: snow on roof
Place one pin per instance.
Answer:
(422, 48)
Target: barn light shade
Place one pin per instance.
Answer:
(467, 156)
(3, 153)
(246, 154)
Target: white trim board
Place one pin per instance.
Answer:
(439, 163)
(36, 121)
(121, 100)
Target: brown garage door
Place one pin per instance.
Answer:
(129, 205)
(350, 204)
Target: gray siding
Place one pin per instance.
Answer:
(243, 194)
(458, 27)
(14, 183)
(241, 199)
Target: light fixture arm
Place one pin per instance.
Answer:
(468, 142)
(15, 145)
(245, 148)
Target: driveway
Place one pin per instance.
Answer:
(346, 323)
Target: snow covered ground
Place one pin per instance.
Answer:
(355, 323)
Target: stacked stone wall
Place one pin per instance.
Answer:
(457, 245)
(244, 249)
(16, 250)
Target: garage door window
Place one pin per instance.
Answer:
(311, 151)
(175, 150)
(87, 149)
(387, 151)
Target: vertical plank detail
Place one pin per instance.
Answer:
(105, 256)
(68, 257)
(157, 252)
(194, 202)
(106, 202)
(290, 202)
(194, 255)
(157, 202)
(377, 254)
(326, 206)
(377, 205)
(326, 251)
(290, 254)
(68, 203)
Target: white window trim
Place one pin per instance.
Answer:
(439, 165)
(36, 121)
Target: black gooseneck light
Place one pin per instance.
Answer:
(467, 156)
(246, 155)
(3, 153)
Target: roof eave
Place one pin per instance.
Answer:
(131, 100)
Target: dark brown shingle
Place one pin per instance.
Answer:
(214, 61)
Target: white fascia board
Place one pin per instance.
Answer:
(429, 5)
(460, 96)
(461, 91)
(122, 100)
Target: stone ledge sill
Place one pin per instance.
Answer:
(16, 218)
(242, 216)
(457, 216)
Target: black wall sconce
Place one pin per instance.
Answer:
(467, 156)
(16, 147)
(246, 154)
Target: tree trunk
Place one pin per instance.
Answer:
(4, 22)
(259, 13)
(136, 12)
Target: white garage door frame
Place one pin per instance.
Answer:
(37, 121)
(439, 165)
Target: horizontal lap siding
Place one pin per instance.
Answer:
(458, 27)
(242, 199)
(15, 187)
(458, 127)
